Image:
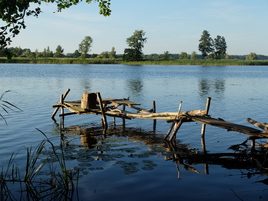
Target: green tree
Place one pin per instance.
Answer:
(193, 55)
(94, 55)
(137, 40)
(84, 46)
(136, 43)
(76, 54)
(47, 52)
(252, 56)
(166, 56)
(13, 12)
(103, 55)
(27, 53)
(16, 51)
(59, 51)
(2, 53)
(206, 44)
(183, 55)
(219, 47)
(132, 55)
(112, 54)
(37, 54)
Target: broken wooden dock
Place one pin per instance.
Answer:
(92, 103)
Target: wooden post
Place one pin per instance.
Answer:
(180, 106)
(61, 101)
(170, 129)
(177, 126)
(62, 111)
(154, 111)
(207, 105)
(203, 129)
(103, 118)
(62, 97)
(89, 100)
(123, 119)
(174, 123)
(153, 107)
(253, 144)
(203, 143)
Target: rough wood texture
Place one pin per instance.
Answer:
(229, 126)
(107, 107)
(89, 100)
(263, 126)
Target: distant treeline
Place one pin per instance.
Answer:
(15, 52)
(204, 62)
(240, 57)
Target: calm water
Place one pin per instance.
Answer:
(237, 92)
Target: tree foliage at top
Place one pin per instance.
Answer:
(85, 45)
(59, 51)
(13, 13)
(136, 43)
(183, 55)
(206, 44)
(252, 56)
(219, 47)
(137, 40)
(214, 49)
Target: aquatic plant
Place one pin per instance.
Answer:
(41, 179)
(6, 106)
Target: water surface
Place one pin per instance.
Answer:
(237, 92)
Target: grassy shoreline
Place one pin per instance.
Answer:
(223, 62)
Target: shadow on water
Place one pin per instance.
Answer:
(121, 145)
(88, 149)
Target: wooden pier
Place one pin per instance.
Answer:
(92, 103)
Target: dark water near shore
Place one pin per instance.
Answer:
(136, 163)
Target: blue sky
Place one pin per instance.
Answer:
(171, 25)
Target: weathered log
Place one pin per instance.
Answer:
(263, 126)
(67, 114)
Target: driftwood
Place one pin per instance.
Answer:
(109, 107)
(263, 126)
(165, 115)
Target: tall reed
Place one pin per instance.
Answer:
(60, 184)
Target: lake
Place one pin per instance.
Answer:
(134, 162)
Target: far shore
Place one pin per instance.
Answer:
(205, 62)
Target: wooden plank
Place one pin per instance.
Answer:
(123, 101)
(227, 125)
(263, 126)
(165, 115)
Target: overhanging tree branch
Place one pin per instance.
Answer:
(13, 12)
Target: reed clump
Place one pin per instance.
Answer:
(30, 183)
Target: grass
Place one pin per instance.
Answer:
(6, 106)
(28, 181)
(208, 62)
(61, 184)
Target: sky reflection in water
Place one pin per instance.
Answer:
(130, 163)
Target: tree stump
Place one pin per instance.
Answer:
(89, 101)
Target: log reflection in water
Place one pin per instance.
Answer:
(250, 163)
